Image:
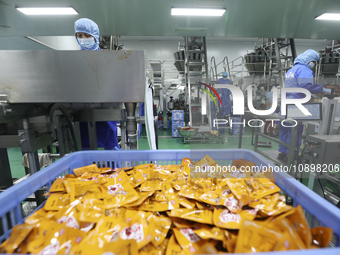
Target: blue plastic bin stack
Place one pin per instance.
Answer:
(177, 121)
(235, 128)
(160, 124)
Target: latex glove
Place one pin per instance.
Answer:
(327, 90)
(314, 96)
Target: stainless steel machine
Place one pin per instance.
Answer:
(322, 153)
(45, 94)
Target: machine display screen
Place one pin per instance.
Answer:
(293, 112)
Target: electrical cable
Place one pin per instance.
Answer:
(69, 122)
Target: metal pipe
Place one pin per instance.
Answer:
(25, 124)
(240, 135)
(123, 135)
(213, 58)
(224, 64)
(187, 77)
(278, 62)
(205, 57)
(111, 42)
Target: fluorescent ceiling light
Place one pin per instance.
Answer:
(47, 10)
(329, 16)
(197, 11)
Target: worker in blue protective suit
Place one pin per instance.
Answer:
(225, 96)
(87, 35)
(299, 76)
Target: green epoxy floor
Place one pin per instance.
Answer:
(165, 141)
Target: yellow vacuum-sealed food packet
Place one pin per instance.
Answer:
(73, 238)
(137, 225)
(300, 225)
(254, 237)
(90, 169)
(290, 239)
(120, 247)
(191, 192)
(92, 210)
(136, 178)
(18, 235)
(321, 236)
(173, 247)
(70, 215)
(187, 203)
(225, 218)
(188, 240)
(57, 201)
(36, 217)
(153, 205)
(202, 216)
(162, 226)
(279, 208)
(207, 232)
(255, 188)
(119, 192)
(142, 197)
(266, 203)
(58, 186)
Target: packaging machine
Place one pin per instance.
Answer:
(45, 94)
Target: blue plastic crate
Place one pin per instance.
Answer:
(177, 115)
(177, 123)
(175, 133)
(160, 124)
(10, 200)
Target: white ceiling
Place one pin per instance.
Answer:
(243, 18)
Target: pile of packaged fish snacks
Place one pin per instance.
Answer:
(165, 209)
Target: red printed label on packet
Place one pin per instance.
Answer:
(68, 248)
(50, 249)
(204, 167)
(190, 235)
(238, 174)
(78, 239)
(251, 211)
(134, 232)
(226, 192)
(113, 189)
(228, 216)
(231, 203)
(70, 222)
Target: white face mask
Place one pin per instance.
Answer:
(87, 43)
(311, 65)
(224, 78)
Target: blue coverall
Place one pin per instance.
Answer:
(106, 130)
(299, 76)
(225, 98)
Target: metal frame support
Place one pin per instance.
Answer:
(5, 173)
(92, 135)
(27, 143)
(292, 48)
